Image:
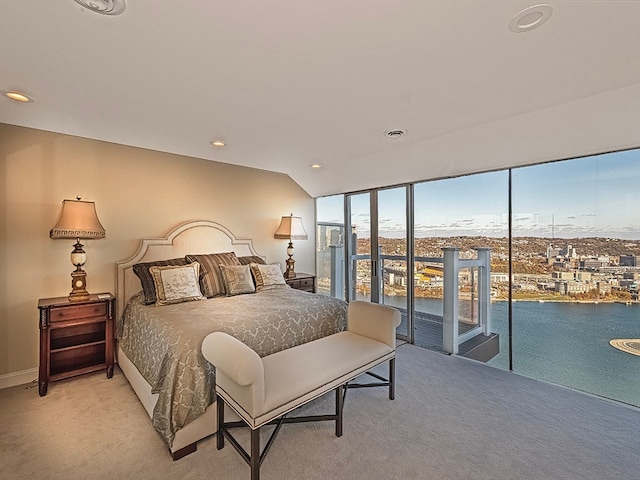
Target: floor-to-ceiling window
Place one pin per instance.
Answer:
(570, 264)
(576, 239)
(465, 212)
(393, 253)
(378, 249)
(362, 276)
(330, 237)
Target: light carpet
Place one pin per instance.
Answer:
(452, 419)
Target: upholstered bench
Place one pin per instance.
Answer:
(263, 390)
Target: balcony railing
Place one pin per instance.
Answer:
(458, 325)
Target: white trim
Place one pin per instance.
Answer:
(19, 378)
(216, 236)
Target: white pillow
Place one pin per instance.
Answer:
(176, 284)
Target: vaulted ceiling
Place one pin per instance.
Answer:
(291, 83)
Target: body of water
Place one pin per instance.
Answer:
(565, 343)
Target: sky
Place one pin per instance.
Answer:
(595, 196)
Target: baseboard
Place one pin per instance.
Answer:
(18, 378)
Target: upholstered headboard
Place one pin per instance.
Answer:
(196, 237)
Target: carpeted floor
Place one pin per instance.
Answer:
(452, 419)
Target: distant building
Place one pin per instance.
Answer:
(594, 263)
(567, 252)
(566, 288)
(562, 275)
(546, 286)
(583, 276)
(499, 277)
(336, 237)
(604, 288)
(553, 252)
(629, 261)
(397, 279)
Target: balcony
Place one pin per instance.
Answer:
(459, 323)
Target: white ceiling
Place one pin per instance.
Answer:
(288, 83)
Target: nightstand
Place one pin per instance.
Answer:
(303, 281)
(75, 337)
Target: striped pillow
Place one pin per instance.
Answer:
(211, 279)
(248, 259)
(146, 279)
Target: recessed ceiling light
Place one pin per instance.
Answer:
(316, 165)
(105, 7)
(17, 96)
(218, 143)
(530, 18)
(395, 133)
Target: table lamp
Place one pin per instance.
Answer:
(79, 220)
(291, 228)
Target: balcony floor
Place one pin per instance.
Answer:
(428, 329)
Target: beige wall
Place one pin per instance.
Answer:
(138, 193)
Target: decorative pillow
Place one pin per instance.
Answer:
(249, 259)
(146, 279)
(211, 280)
(237, 279)
(176, 284)
(267, 275)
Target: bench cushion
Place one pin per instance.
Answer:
(297, 375)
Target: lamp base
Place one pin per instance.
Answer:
(76, 297)
(290, 272)
(78, 284)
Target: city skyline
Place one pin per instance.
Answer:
(596, 196)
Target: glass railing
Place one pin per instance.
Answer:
(443, 318)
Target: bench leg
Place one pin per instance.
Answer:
(339, 409)
(220, 416)
(392, 379)
(255, 454)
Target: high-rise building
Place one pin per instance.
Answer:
(629, 261)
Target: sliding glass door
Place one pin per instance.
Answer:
(378, 250)
(396, 273)
(362, 276)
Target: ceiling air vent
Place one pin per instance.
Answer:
(105, 7)
(395, 133)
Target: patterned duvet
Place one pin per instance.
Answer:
(164, 342)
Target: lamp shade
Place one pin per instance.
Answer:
(78, 219)
(291, 228)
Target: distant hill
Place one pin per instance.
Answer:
(523, 246)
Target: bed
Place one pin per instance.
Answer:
(158, 347)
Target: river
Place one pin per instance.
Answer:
(565, 343)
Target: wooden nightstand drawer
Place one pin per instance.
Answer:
(303, 281)
(63, 314)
